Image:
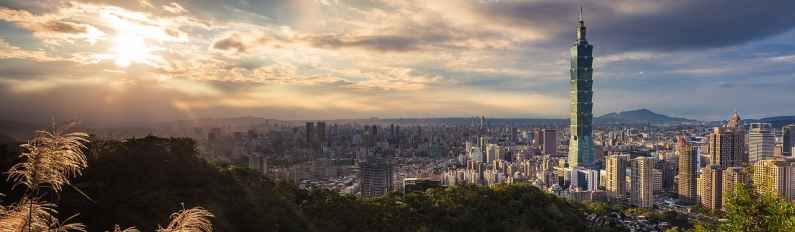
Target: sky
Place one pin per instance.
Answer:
(149, 60)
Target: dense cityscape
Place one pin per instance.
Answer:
(629, 170)
(636, 158)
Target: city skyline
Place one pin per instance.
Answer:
(122, 61)
(397, 115)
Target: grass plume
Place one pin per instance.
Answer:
(190, 220)
(117, 228)
(50, 159)
(34, 215)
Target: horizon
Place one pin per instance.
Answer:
(397, 115)
(117, 62)
(144, 123)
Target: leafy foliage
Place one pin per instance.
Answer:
(134, 181)
(749, 211)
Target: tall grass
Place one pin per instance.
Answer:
(49, 161)
(190, 220)
(34, 215)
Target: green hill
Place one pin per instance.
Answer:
(138, 182)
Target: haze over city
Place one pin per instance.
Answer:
(143, 61)
(397, 115)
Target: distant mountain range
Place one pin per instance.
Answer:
(777, 121)
(641, 116)
(20, 131)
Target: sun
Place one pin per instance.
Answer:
(129, 48)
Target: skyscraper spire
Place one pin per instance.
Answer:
(581, 28)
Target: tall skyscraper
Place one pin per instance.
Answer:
(310, 132)
(775, 177)
(550, 142)
(727, 144)
(616, 169)
(789, 139)
(581, 94)
(642, 179)
(321, 132)
(710, 187)
(688, 170)
(761, 142)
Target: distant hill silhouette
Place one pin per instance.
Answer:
(17, 131)
(777, 121)
(641, 116)
(137, 182)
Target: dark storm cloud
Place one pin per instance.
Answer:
(671, 25)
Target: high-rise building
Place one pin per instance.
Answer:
(492, 152)
(657, 181)
(710, 187)
(615, 182)
(761, 142)
(483, 125)
(732, 178)
(550, 142)
(688, 170)
(310, 132)
(258, 162)
(538, 138)
(727, 144)
(581, 94)
(641, 194)
(788, 139)
(375, 177)
(774, 177)
(320, 130)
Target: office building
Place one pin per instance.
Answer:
(310, 132)
(761, 142)
(550, 142)
(581, 94)
(727, 144)
(788, 139)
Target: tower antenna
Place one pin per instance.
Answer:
(581, 12)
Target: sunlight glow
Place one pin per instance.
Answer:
(130, 48)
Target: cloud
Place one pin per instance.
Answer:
(664, 26)
(332, 59)
(232, 43)
(174, 8)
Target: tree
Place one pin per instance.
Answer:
(749, 211)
